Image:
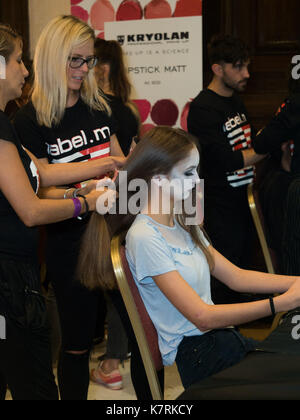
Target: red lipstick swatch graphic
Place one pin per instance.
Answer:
(80, 12)
(102, 11)
(144, 108)
(165, 112)
(130, 10)
(157, 9)
(145, 128)
(188, 8)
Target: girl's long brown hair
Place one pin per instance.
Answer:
(157, 153)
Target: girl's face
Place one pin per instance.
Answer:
(77, 75)
(16, 72)
(184, 176)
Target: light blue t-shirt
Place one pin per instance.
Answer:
(153, 249)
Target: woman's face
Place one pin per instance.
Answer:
(76, 76)
(16, 72)
(184, 176)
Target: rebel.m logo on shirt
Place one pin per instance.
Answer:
(76, 148)
(238, 132)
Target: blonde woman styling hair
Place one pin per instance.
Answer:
(67, 123)
(50, 92)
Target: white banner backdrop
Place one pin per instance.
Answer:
(162, 44)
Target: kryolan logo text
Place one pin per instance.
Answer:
(2, 328)
(2, 67)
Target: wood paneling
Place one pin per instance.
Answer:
(277, 25)
(15, 12)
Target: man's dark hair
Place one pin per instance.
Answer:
(227, 49)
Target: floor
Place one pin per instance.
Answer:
(173, 386)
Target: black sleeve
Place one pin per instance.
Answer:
(6, 129)
(105, 118)
(207, 126)
(113, 123)
(280, 129)
(29, 132)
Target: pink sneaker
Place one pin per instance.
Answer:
(112, 380)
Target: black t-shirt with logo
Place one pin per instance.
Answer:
(82, 135)
(222, 127)
(17, 240)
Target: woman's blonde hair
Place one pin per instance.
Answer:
(54, 47)
(157, 153)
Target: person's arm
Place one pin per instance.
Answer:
(250, 157)
(17, 189)
(246, 281)
(67, 173)
(151, 257)
(207, 317)
(58, 193)
(280, 129)
(115, 148)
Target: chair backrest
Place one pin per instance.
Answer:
(258, 219)
(142, 325)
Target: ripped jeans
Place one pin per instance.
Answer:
(199, 357)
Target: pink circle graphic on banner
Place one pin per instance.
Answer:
(144, 108)
(80, 12)
(188, 8)
(184, 116)
(145, 128)
(158, 9)
(76, 1)
(102, 11)
(130, 10)
(165, 112)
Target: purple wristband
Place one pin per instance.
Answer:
(77, 207)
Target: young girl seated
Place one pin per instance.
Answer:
(171, 262)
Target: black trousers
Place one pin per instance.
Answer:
(231, 230)
(25, 354)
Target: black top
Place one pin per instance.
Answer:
(126, 122)
(284, 126)
(222, 127)
(16, 239)
(81, 135)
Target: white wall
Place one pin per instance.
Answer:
(40, 13)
